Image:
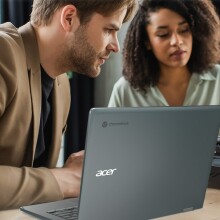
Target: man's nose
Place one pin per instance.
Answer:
(114, 46)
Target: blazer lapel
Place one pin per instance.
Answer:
(57, 124)
(36, 94)
(33, 66)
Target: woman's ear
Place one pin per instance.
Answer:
(148, 46)
(68, 17)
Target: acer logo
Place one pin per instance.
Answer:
(105, 172)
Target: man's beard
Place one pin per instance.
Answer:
(79, 55)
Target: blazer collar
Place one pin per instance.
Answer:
(31, 47)
(33, 64)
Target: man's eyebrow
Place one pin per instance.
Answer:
(113, 26)
(166, 26)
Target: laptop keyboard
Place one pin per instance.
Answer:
(70, 213)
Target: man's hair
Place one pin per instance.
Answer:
(140, 66)
(43, 10)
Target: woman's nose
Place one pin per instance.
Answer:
(175, 40)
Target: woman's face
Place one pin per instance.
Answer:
(170, 38)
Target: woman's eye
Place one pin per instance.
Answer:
(163, 35)
(185, 30)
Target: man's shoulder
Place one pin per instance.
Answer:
(10, 39)
(8, 30)
(8, 26)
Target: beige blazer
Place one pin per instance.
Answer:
(20, 108)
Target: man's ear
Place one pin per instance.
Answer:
(68, 17)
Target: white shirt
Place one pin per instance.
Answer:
(203, 89)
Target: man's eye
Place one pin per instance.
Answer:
(109, 30)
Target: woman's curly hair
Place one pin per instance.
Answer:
(140, 66)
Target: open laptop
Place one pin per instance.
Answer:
(142, 163)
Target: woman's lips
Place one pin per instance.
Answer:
(178, 54)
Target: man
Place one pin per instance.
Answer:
(62, 35)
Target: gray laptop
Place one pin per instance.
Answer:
(142, 163)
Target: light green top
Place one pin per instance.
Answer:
(203, 89)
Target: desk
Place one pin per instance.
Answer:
(210, 211)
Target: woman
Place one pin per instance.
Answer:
(171, 55)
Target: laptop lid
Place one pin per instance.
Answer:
(143, 163)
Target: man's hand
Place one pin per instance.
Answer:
(69, 177)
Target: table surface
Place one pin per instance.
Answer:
(210, 210)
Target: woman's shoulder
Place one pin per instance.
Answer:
(122, 83)
(213, 73)
(215, 70)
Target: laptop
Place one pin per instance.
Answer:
(142, 163)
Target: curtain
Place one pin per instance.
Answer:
(217, 5)
(1, 11)
(15, 11)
